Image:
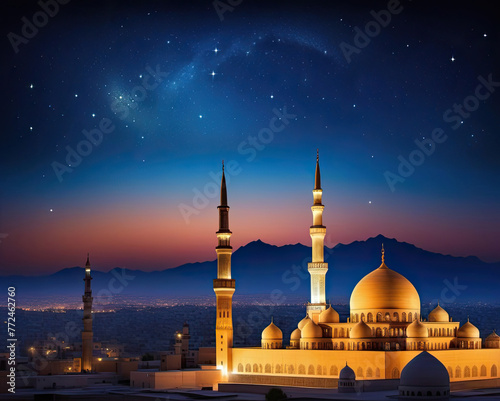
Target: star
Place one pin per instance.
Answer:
(31, 86)
(213, 74)
(370, 202)
(216, 50)
(452, 58)
(76, 94)
(200, 116)
(485, 35)
(93, 114)
(272, 96)
(51, 210)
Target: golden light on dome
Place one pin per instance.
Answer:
(384, 289)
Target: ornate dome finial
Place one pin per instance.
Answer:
(383, 257)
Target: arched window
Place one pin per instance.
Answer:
(268, 368)
(395, 317)
(363, 317)
(341, 345)
(458, 372)
(334, 371)
(467, 372)
(483, 371)
(310, 370)
(379, 317)
(387, 317)
(410, 317)
(474, 371)
(369, 372)
(450, 372)
(255, 368)
(277, 369)
(377, 372)
(240, 368)
(403, 316)
(302, 369)
(494, 371)
(378, 332)
(291, 370)
(395, 373)
(248, 368)
(359, 372)
(356, 318)
(370, 317)
(335, 333)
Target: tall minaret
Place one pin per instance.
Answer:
(317, 268)
(87, 334)
(224, 287)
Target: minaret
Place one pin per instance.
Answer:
(87, 333)
(317, 268)
(224, 287)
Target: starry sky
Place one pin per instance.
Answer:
(117, 115)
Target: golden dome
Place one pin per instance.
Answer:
(417, 330)
(438, 314)
(329, 315)
(361, 330)
(384, 288)
(303, 322)
(468, 330)
(311, 330)
(272, 332)
(295, 335)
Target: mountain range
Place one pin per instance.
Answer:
(265, 272)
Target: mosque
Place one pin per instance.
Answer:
(384, 333)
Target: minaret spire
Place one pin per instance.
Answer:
(224, 286)
(317, 176)
(87, 334)
(223, 190)
(317, 268)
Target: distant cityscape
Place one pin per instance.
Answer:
(145, 325)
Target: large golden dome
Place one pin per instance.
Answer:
(384, 288)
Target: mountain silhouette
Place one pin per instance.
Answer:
(265, 272)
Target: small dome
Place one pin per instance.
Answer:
(303, 322)
(493, 337)
(347, 373)
(311, 330)
(295, 335)
(417, 330)
(329, 315)
(439, 315)
(468, 330)
(361, 330)
(272, 332)
(424, 370)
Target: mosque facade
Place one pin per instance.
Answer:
(384, 332)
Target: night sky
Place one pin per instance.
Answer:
(117, 115)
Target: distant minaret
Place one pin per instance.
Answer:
(87, 333)
(224, 286)
(317, 268)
